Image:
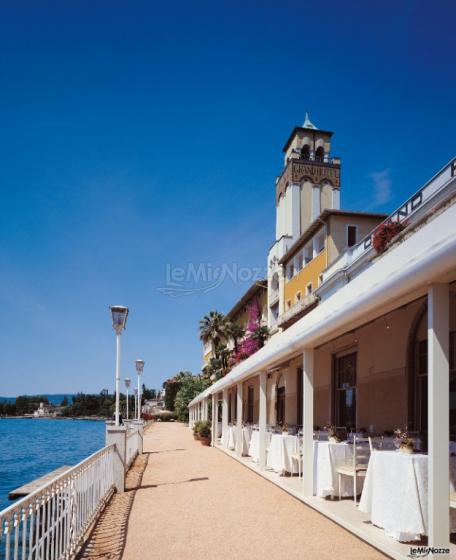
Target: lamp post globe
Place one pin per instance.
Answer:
(127, 386)
(139, 369)
(119, 315)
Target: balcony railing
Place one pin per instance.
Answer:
(51, 522)
(410, 211)
(297, 308)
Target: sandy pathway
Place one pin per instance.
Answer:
(196, 503)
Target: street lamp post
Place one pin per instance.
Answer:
(127, 386)
(119, 320)
(136, 402)
(139, 370)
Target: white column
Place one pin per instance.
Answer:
(307, 420)
(438, 414)
(214, 420)
(335, 199)
(224, 413)
(316, 209)
(262, 420)
(239, 438)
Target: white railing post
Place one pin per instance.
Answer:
(117, 436)
(262, 420)
(438, 415)
(307, 421)
(239, 438)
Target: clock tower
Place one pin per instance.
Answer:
(308, 185)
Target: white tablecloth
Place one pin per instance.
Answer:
(328, 457)
(395, 493)
(281, 449)
(229, 438)
(254, 445)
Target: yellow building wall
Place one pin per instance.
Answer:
(242, 318)
(309, 273)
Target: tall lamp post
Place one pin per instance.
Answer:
(119, 320)
(127, 386)
(139, 370)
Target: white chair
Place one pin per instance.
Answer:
(375, 443)
(358, 467)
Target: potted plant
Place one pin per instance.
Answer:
(205, 432)
(385, 233)
(196, 428)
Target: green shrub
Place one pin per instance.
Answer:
(204, 429)
(196, 426)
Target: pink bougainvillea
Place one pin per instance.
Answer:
(250, 345)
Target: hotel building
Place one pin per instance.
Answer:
(368, 346)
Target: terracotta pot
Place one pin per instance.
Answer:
(205, 440)
(196, 436)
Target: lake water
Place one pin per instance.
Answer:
(30, 448)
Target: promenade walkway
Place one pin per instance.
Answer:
(194, 502)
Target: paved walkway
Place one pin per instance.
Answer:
(196, 503)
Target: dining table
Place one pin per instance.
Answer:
(395, 493)
(281, 450)
(229, 438)
(254, 444)
(328, 457)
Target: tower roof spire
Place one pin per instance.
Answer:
(308, 123)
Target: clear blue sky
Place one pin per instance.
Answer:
(139, 134)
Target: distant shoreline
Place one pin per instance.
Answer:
(96, 418)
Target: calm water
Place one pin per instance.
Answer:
(31, 448)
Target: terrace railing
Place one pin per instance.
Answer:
(132, 445)
(50, 523)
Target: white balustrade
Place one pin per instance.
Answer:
(132, 445)
(50, 523)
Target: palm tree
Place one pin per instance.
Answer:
(261, 334)
(212, 329)
(236, 332)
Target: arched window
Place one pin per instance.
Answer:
(320, 154)
(305, 152)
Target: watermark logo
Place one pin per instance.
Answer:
(425, 551)
(201, 278)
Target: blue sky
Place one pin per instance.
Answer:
(136, 135)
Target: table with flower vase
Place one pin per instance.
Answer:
(328, 457)
(254, 446)
(280, 453)
(395, 493)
